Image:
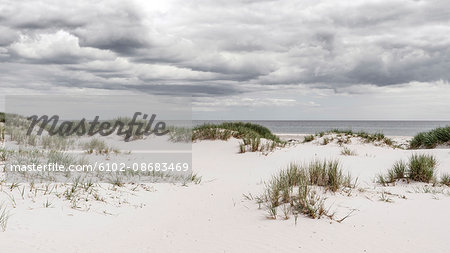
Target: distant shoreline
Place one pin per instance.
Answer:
(388, 128)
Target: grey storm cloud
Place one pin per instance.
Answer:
(219, 48)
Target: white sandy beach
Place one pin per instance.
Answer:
(227, 126)
(214, 216)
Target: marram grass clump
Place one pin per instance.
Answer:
(348, 152)
(431, 139)
(97, 146)
(252, 135)
(445, 179)
(367, 137)
(297, 189)
(235, 129)
(308, 138)
(420, 167)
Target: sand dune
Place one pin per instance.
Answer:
(213, 216)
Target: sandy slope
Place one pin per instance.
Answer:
(215, 217)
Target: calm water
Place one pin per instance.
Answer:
(399, 128)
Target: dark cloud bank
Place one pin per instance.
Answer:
(219, 48)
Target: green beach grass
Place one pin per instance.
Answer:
(420, 168)
(431, 139)
(250, 134)
(295, 190)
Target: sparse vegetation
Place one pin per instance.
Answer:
(97, 146)
(250, 134)
(298, 189)
(193, 177)
(56, 142)
(4, 154)
(308, 138)
(116, 180)
(420, 167)
(326, 140)
(430, 139)
(2, 131)
(180, 134)
(445, 179)
(367, 137)
(385, 197)
(4, 216)
(76, 188)
(348, 152)
(236, 129)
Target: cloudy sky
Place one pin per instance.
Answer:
(294, 59)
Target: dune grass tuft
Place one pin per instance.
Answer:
(296, 189)
(97, 146)
(2, 131)
(420, 167)
(367, 137)
(180, 134)
(445, 179)
(431, 138)
(4, 216)
(348, 152)
(308, 138)
(233, 129)
(250, 134)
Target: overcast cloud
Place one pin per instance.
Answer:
(296, 55)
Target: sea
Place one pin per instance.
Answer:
(389, 128)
